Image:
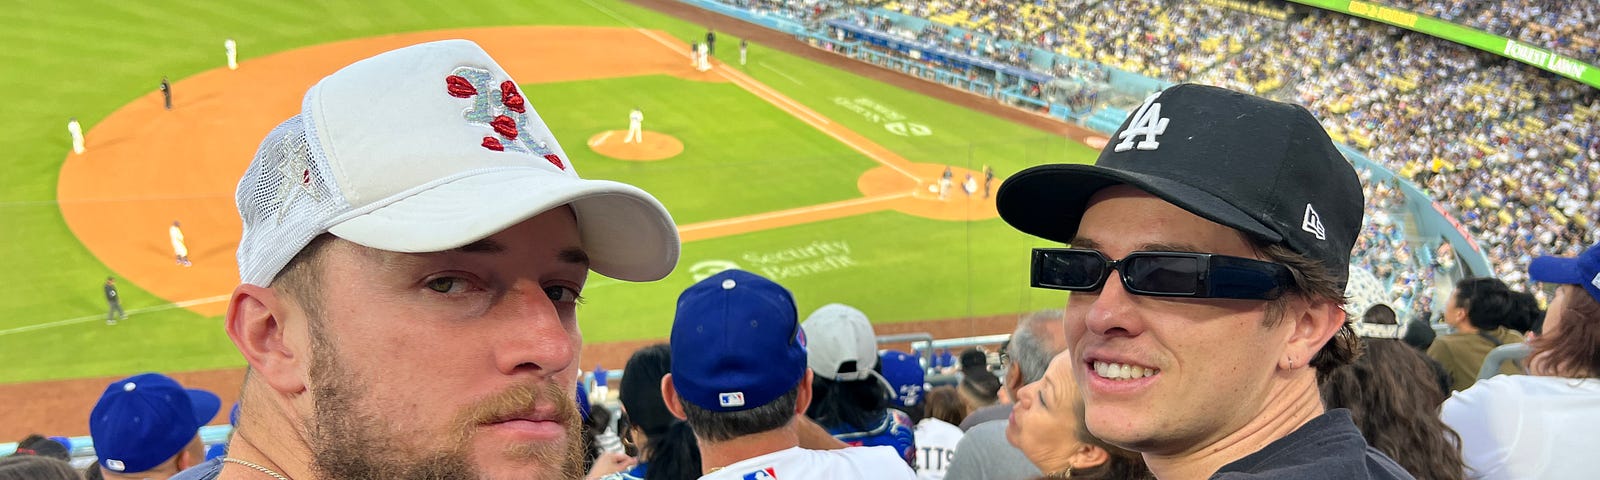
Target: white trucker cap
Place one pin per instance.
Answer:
(429, 148)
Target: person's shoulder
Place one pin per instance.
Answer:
(1490, 392)
(989, 429)
(208, 470)
(1329, 446)
(1372, 465)
(881, 461)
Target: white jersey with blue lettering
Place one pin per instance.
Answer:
(801, 464)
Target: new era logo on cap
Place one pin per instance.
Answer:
(1313, 223)
(731, 399)
(115, 465)
(1595, 281)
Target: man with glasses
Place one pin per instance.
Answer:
(1209, 249)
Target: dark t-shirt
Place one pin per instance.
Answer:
(1328, 447)
(111, 293)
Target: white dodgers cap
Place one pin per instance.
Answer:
(425, 149)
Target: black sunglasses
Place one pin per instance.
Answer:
(1162, 274)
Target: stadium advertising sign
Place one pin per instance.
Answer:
(1472, 37)
(1251, 7)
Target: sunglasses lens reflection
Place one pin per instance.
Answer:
(1163, 274)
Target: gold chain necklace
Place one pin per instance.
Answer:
(265, 470)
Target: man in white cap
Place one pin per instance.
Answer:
(415, 245)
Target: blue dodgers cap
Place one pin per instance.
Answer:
(736, 343)
(1583, 270)
(144, 420)
(904, 373)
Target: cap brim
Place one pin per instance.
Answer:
(205, 405)
(1048, 201)
(627, 234)
(1556, 270)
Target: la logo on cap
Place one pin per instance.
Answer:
(502, 108)
(1146, 122)
(731, 399)
(1595, 281)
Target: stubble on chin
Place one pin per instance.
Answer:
(349, 440)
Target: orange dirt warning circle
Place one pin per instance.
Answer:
(655, 146)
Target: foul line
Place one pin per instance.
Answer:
(89, 318)
(780, 72)
(790, 212)
(602, 138)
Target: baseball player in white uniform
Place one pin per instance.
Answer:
(944, 182)
(702, 58)
(233, 53)
(635, 126)
(179, 250)
(77, 135)
(755, 371)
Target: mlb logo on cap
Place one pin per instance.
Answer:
(731, 399)
(762, 474)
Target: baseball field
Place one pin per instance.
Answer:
(821, 179)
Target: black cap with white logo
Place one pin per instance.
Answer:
(1263, 167)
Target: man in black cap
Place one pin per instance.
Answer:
(1223, 224)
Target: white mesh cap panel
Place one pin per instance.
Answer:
(285, 199)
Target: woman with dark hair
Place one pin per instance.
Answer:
(1384, 391)
(849, 398)
(665, 446)
(1047, 425)
(35, 467)
(1479, 310)
(1542, 425)
(43, 446)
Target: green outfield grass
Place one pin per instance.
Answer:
(743, 156)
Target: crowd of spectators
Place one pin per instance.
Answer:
(1173, 40)
(1507, 146)
(1387, 252)
(1306, 47)
(1569, 28)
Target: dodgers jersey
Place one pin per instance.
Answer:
(894, 430)
(801, 464)
(936, 447)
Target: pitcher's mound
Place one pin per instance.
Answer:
(656, 146)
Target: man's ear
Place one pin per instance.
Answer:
(1013, 381)
(802, 400)
(256, 325)
(669, 394)
(1313, 324)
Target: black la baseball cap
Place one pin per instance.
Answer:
(1265, 168)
